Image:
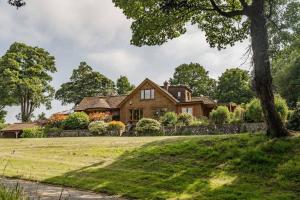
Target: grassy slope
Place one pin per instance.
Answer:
(205, 167)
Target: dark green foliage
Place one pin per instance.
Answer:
(294, 121)
(254, 111)
(26, 72)
(234, 86)
(36, 132)
(2, 116)
(77, 120)
(124, 86)
(196, 78)
(84, 82)
(220, 115)
(185, 119)
(147, 126)
(169, 119)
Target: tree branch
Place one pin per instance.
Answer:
(244, 4)
(230, 14)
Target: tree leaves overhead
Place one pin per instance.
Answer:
(196, 78)
(25, 78)
(84, 82)
(157, 21)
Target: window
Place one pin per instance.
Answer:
(147, 94)
(136, 114)
(188, 110)
(179, 94)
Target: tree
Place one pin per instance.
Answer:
(42, 116)
(124, 86)
(196, 78)
(26, 72)
(234, 86)
(286, 71)
(224, 23)
(17, 3)
(84, 82)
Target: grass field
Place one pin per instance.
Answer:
(203, 167)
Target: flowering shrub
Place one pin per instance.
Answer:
(147, 126)
(99, 127)
(99, 116)
(116, 127)
(185, 119)
(57, 120)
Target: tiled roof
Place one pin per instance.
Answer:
(19, 126)
(108, 102)
(204, 99)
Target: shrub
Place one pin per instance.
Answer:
(200, 122)
(254, 111)
(281, 107)
(99, 128)
(2, 126)
(57, 120)
(185, 119)
(294, 121)
(77, 120)
(100, 116)
(116, 127)
(220, 115)
(49, 130)
(238, 115)
(148, 126)
(169, 119)
(35, 132)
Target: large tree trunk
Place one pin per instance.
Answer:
(262, 71)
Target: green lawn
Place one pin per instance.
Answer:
(203, 167)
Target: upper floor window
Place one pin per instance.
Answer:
(147, 94)
(179, 94)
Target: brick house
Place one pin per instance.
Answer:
(149, 100)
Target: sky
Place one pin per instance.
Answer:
(97, 32)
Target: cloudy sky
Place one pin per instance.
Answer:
(98, 33)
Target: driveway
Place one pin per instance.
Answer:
(40, 191)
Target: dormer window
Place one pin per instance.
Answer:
(179, 94)
(147, 94)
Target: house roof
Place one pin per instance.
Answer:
(205, 99)
(179, 86)
(19, 127)
(109, 102)
(164, 92)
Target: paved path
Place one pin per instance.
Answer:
(39, 191)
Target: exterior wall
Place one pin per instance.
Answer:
(197, 109)
(184, 93)
(148, 106)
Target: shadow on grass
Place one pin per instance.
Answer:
(215, 167)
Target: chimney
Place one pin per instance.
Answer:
(166, 85)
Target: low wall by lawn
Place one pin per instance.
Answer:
(178, 130)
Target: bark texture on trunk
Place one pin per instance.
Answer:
(262, 70)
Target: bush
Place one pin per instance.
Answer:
(36, 132)
(99, 127)
(254, 111)
(2, 126)
(147, 126)
(220, 115)
(77, 120)
(116, 127)
(294, 121)
(169, 119)
(100, 116)
(281, 107)
(185, 119)
(50, 130)
(238, 115)
(57, 120)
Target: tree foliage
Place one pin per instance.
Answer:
(234, 85)
(124, 86)
(84, 82)
(286, 71)
(196, 78)
(26, 72)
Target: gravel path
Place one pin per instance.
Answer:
(40, 191)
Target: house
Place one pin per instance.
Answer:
(16, 130)
(149, 100)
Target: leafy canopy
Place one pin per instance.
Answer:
(124, 86)
(84, 82)
(26, 72)
(196, 78)
(234, 85)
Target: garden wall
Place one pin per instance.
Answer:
(183, 130)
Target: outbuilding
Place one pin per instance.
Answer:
(15, 130)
